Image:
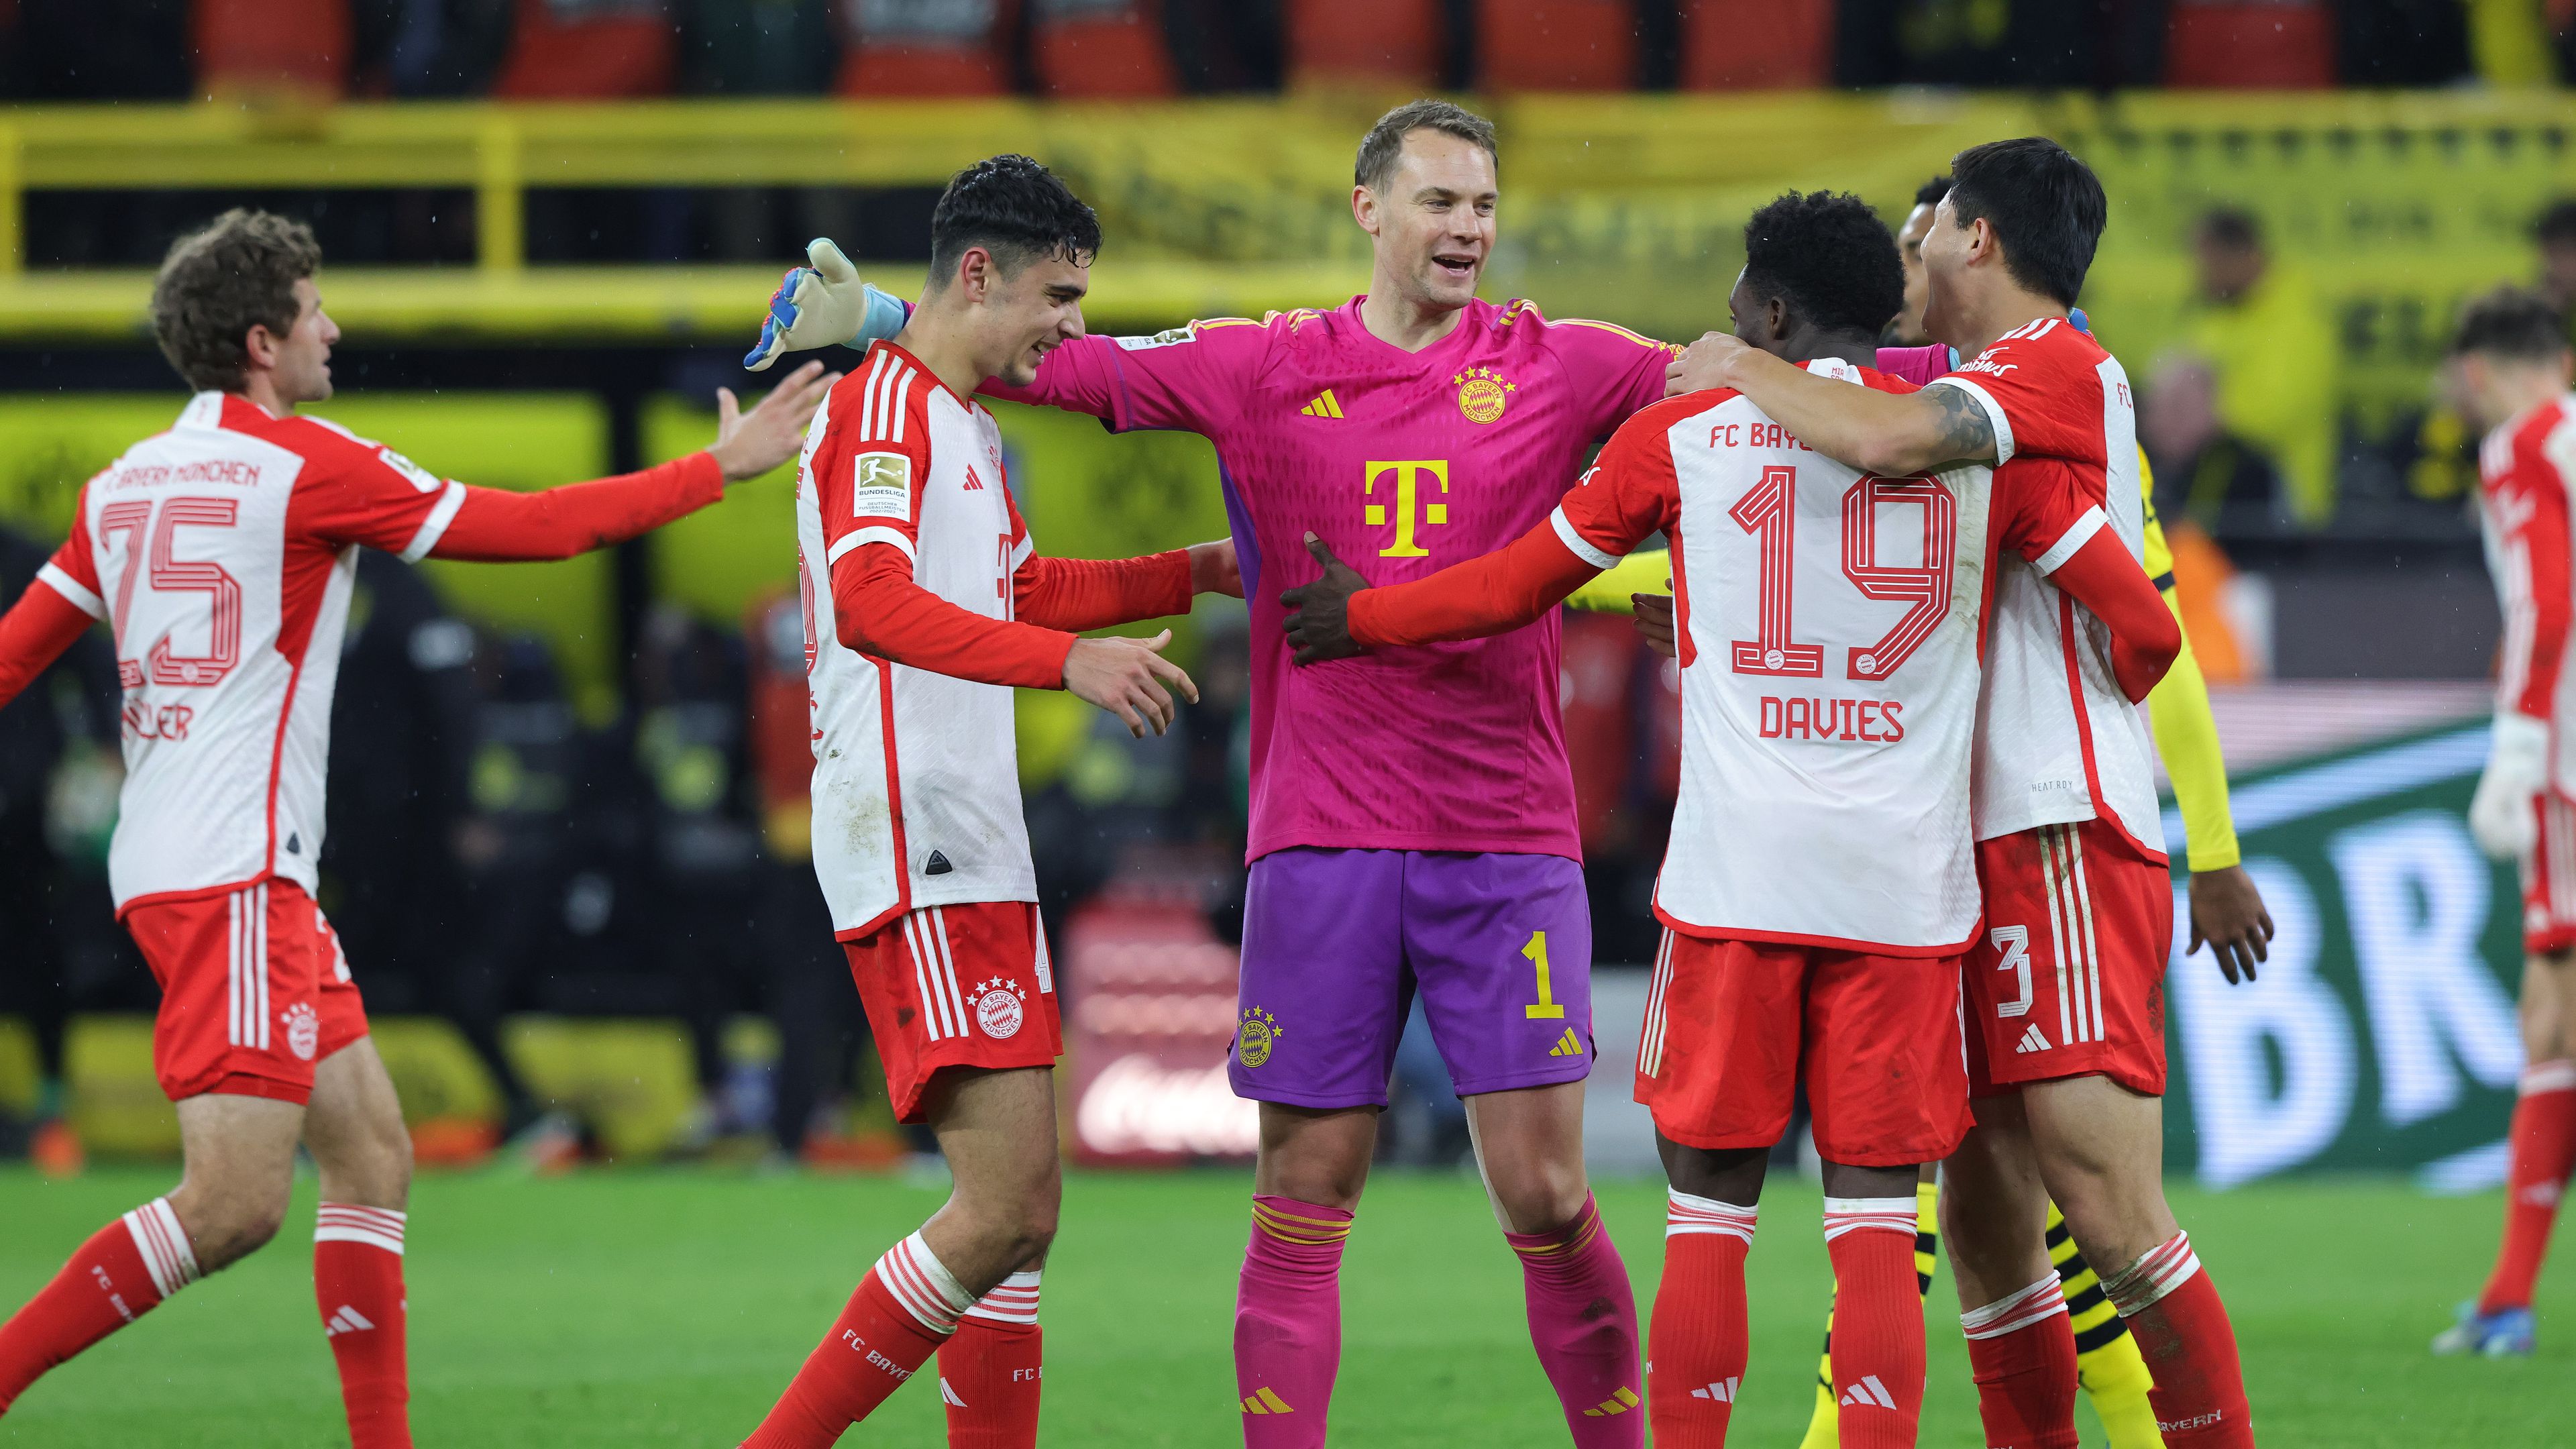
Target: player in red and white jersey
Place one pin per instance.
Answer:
(2513, 367)
(222, 554)
(1820, 886)
(926, 604)
(2065, 999)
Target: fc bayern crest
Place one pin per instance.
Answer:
(998, 1008)
(1482, 394)
(1258, 1033)
(303, 1031)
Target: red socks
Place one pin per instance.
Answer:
(1288, 1322)
(1698, 1341)
(116, 1277)
(1878, 1321)
(2544, 1150)
(989, 1372)
(1583, 1322)
(2022, 1350)
(358, 1282)
(2173, 1311)
(904, 1309)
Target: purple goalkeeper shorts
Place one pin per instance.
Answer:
(1336, 943)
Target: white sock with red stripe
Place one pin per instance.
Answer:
(902, 1313)
(121, 1273)
(2022, 1351)
(1878, 1321)
(358, 1284)
(989, 1373)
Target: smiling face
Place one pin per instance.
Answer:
(299, 363)
(1023, 316)
(1433, 219)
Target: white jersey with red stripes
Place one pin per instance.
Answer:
(2057, 740)
(2523, 469)
(223, 552)
(916, 774)
(1827, 627)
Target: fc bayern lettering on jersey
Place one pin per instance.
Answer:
(882, 487)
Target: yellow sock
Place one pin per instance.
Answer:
(1823, 1427)
(2107, 1361)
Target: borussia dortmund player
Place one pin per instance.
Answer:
(1424, 791)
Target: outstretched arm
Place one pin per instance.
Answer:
(1087, 593)
(34, 633)
(1504, 590)
(1888, 433)
(495, 525)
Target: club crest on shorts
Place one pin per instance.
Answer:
(303, 1031)
(1253, 1040)
(1482, 394)
(998, 1008)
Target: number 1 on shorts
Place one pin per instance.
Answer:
(1536, 951)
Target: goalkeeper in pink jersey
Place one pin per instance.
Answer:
(1423, 790)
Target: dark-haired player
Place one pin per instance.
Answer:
(222, 553)
(926, 603)
(2065, 992)
(1820, 886)
(2513, 362)
(1425, 791)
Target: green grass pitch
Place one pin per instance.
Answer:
(668, 1307)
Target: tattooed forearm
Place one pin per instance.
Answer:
(1965, 433)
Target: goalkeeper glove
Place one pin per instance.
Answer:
(821, 304)
(2501, 814)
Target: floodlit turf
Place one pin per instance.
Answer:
(641, 1308)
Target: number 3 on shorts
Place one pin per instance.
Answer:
(1546, 1007)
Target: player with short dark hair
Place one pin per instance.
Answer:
(1425, 791)
(2064, 991)
(2513, 363)
(925, 604)
(222, 553)
(1839, 737)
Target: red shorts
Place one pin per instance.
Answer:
(957, 986)
(254, 991)
(2549, 879)
(2070, 978)
(1732, 1025)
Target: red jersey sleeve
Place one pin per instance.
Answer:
(1092, 593)
(2038, 387)
(1631, 492)
(2045, 510)
(2528, 507)
(356, 490)
(1191, 379)
(73, 570)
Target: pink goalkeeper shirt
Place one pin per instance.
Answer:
(1403, 463)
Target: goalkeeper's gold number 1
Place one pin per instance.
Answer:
(1536, 951)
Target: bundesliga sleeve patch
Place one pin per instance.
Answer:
(882, 487)
(421, 478)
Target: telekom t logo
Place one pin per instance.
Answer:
(1408, 475)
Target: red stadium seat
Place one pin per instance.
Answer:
(588, 50)
(951, 51)
(1103, 48)
(1365, 41)
(1757, 45)
(1557, 45)
(271, 45)
(2236, 45)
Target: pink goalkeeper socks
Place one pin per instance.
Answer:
(1288, 1322)
(1583, 1322)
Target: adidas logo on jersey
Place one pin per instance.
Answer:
(1266, 1402)
(1618, 1403)
(1323, 406)
(2032, 1040)
(973, 483)
(936, 865)
(347, 1320)
(1718, 1393)
(1567, 1045)
(1869, 1393)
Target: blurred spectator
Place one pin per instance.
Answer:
(2253, 44)
(2254, 397)
(1101, 48)
(757, 47)
(97, 50)
(272, 49)
(894, 48)
(2556, 233)
(590, 50)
